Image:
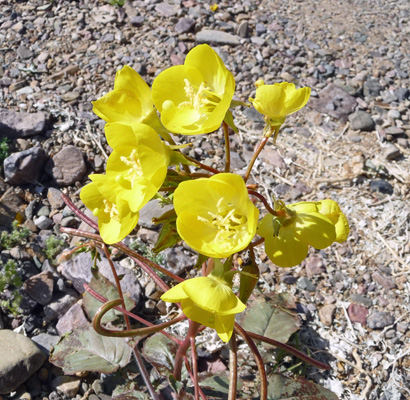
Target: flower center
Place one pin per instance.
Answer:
(228, 221)
(134, 172)
(109, 209)
(201, 98)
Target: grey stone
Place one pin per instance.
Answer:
(20, 124)
(137, 21)
(166, 9)
(177, 261)
(55, 199)
(43, 222)
(371, 88)
(391, 152)
(394, 114)
(67, 166)
(25, 167)
(361, 121)
(151, 210)
(358, 298)
(45, 341)
(383, 281)
(67, 386)
(24, 53)
(243, 29)
(20, 358)
(402, 93)
(78, 270)
(342, 103)
(382, 186)
(306, 284)
(185, 25)
(71, 320)
(217, 37)
(380, 319)
(40, 287)
(59, 305)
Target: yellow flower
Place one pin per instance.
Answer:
(208, 301)
(129, 102)
(215, 215)
(139, 162)
(193, 98)
(287, 237)
(331, 209)
(115, 219)
(277, 101)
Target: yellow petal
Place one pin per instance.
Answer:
(175, 294)
(331, 209)
(224, 326)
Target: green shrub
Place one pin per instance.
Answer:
(10, 278)
(17, 236)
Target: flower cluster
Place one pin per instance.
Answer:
(215, 215)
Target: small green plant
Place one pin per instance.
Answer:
(10, 278)
(117, 3)
(17, 236)
(54, 246)
(4, 149)
(147, 252)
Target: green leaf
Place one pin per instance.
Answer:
(270, 316)
(107, 289)
(248, 279)
(229, 120)
(168, 236)
(216, 386)
(160, 352)
(86, 350)
(281, 388)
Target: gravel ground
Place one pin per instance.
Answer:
(351, 143)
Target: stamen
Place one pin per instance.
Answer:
(135, 172)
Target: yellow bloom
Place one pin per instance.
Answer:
(115, 219)
(193, 98)
(139, 162)
(215, 215)
(331, 209)
(208, 301)
(129, 102)
(287, 238)
(277, 101)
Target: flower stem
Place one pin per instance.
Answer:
(258, 358)
(290, 350)
(194, 368)
(263, 200)
(233, 367)
(227, 147)
(182, 349)
(203, 166)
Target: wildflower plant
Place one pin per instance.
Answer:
(217, 213)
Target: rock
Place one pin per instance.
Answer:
(43, 222)
(358, 298)
(67, 166)
(380, 319)
(217, 37)
(23, 52)
(371, 88)
(326, 314)
(402, 93)
(314, 266)
(361, 121)
(78, 270)
(137, 21)
(272, 159)
(383, 281)
(40, 287)
(166, 9)
(177, 260)
(306, 284)
(20, 358)
(67, 386)
(394, 114)
(358, 313)
(185, 25)
(243, 29)
(10, 205)
(20, 124)
(382, 186)
(334, 101)
(59, 305)
(55, 199)
(151, 210)
(45, 342)
(71, 320)
(25, 167)
(391, 152)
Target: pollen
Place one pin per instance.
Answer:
(135, 172)
(111, 210)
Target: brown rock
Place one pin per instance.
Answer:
(358, 313)
(327, 313)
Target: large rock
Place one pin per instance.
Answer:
(361, 121)
(10, 204)
(217, 37)
(25, 167)
(20, 124)
(334, 101)
(20, 358)
(78, 271)
(67, 166)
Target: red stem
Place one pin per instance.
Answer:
(263, 200)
